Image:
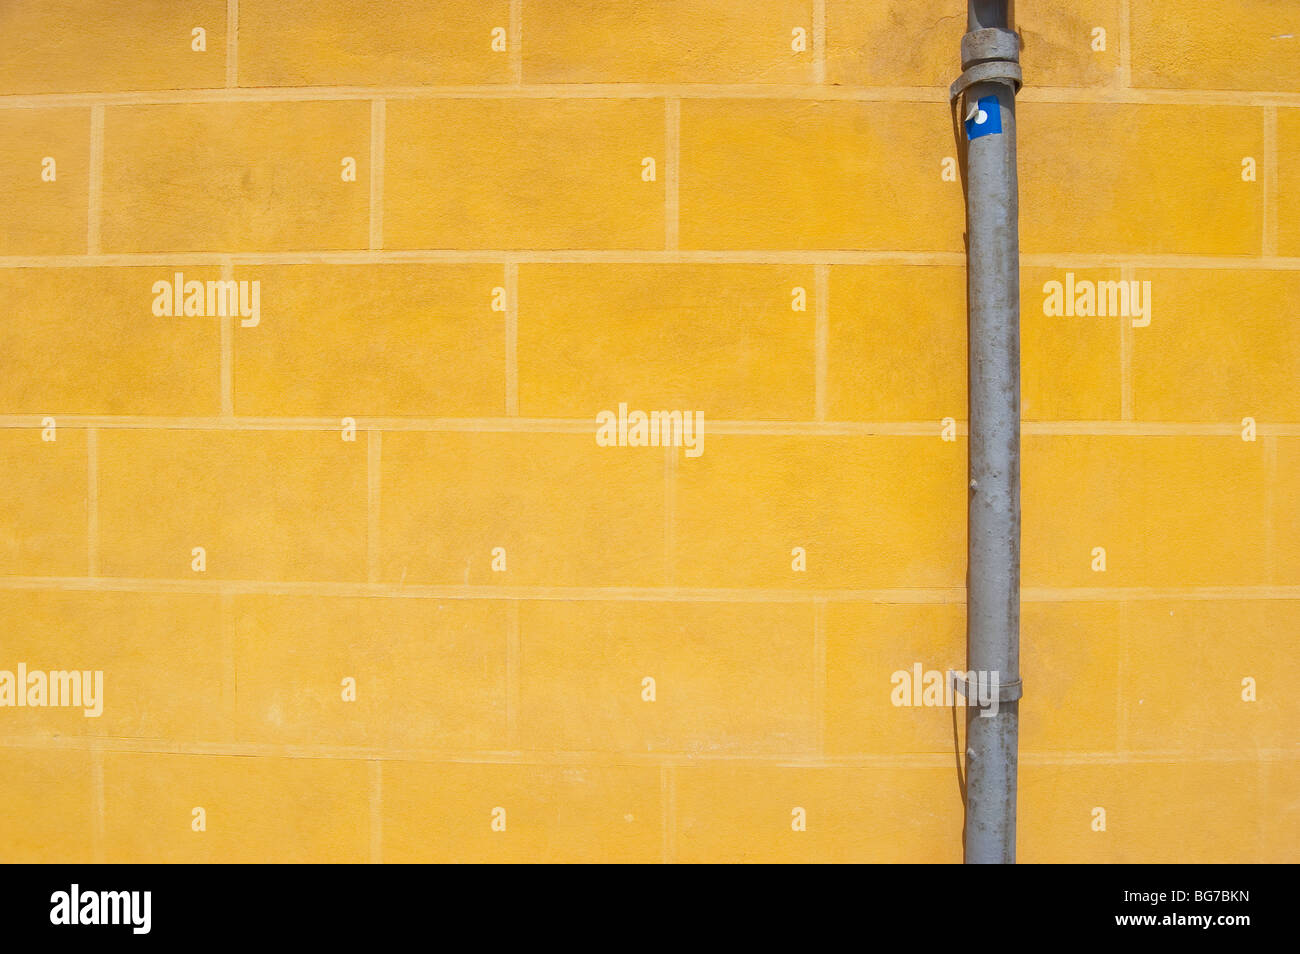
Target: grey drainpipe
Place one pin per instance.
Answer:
(985, 95)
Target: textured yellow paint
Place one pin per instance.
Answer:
(916, 42)
(861, 32)
(1077, 348)
(1169, 511)
(741, 813)
(351, 43)
(1114, 177)
(746, 179)
(584, 664)
(155, 685)
(1286, 512)
(866, 643)
(1288, 183)
(501, 269)
(1222, 345)
(159, 366)
(502, 173)
(60, 46)
(1159, 812)
(1071, 654)
(663, 41)
(1248, 44)
(43, 503)
(1060, 43)
(278, 810)
(721, 340)
(426, 674)
(266, 505)
(576, 814)
(41, 217)
(1184, 671)
(868, 512)
(324, 330)
(210, 187)
(47, 797)
(566, 512)
(875, 372)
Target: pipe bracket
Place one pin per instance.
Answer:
(1007, 692)
(991, 71)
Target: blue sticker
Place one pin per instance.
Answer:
(987, 119)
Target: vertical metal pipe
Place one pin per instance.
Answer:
(987, 14)
(990, 55)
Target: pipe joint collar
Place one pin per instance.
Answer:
(990, 43)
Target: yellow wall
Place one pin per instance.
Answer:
(515, 177)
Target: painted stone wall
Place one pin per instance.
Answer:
(332, 335)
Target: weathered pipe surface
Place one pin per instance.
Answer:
(993, 547)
